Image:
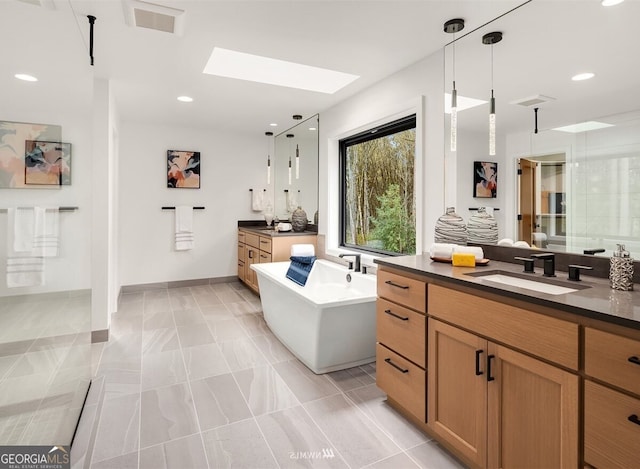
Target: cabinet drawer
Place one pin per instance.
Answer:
(265, 244)
(241, 237)
(241, 269)
(611, 439)
(265, 257)
(613, 359)
(252, 240)
(402, 290)
(546, 337)
(241, 247)
(402, 330)
(403, 381)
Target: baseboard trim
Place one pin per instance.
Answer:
(175, 284)
(100, 336)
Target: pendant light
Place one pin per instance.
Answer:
(269, 135)
(453, 26)
(297, 162)
(290, 136)
(491, 39)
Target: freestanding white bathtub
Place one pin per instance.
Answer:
(330, 323)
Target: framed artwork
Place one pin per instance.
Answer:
(485, 179)
(183, 169)
(13, 141)
(47, 163)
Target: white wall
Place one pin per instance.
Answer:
(71, 270)
(418, 88)
(230, 166)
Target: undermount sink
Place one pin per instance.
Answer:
(528, 281)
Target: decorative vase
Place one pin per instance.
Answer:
(299, 219)
(482, 228)
(450, 228)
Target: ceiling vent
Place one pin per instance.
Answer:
(151, 16)
(533, 100)
(48, 4)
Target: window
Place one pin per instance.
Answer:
(377, 199)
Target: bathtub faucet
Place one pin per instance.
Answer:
(357, 259)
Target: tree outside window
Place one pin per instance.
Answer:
(378, 201)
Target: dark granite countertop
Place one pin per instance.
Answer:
(597, 301)
(270, 231)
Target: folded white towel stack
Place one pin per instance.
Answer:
(303, 250)
(24, 269)
(257, 201)
(441, 250)
(184, 228)
(46, 233)
(475, 250)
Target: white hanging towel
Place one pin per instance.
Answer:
(303, 250)
(46, 232)
(22, 229)
(184, 228)
(24, 269)
(257, 201)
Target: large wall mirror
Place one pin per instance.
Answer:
(296, 169)
(579, 154)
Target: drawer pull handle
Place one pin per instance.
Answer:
(634, 419)
(478, 370)
(489, 359)
(635, 360)
(388, 360)
(263, 256)
(264, 242)
(393, 284)
(390, 313)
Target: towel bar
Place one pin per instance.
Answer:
(173, 208)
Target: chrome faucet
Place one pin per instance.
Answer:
(549, 259)
(357, 259)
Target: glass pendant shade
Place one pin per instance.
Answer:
(454, 118)
(289, 170)
(268, 169)
(492, 126)
(297, 162)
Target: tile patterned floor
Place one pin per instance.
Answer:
(195, 379)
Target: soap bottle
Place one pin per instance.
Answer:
(621, 271)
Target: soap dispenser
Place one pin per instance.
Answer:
(621, 271)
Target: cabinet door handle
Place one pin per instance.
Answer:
(250, 254)
(478, 370)
(388, 360)
(634, 419)
(397, 285)
(390, 313)
(489, 359)
(635, 360)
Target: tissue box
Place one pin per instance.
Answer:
(463, 259)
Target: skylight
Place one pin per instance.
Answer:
(462, 101)
(232, 64)
(583, 127)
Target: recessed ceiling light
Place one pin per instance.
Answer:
(312, 128)
(610, 3)
(232, 64)
(273, 124)
(185, 99)
(462, 101)
(583, 127)
(25, 77)
(583, 76)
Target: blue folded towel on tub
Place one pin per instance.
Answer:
(300, 268)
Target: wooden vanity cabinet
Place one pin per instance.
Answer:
(401, 341)
(492, 394)
(254, 248)
(612, 405)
